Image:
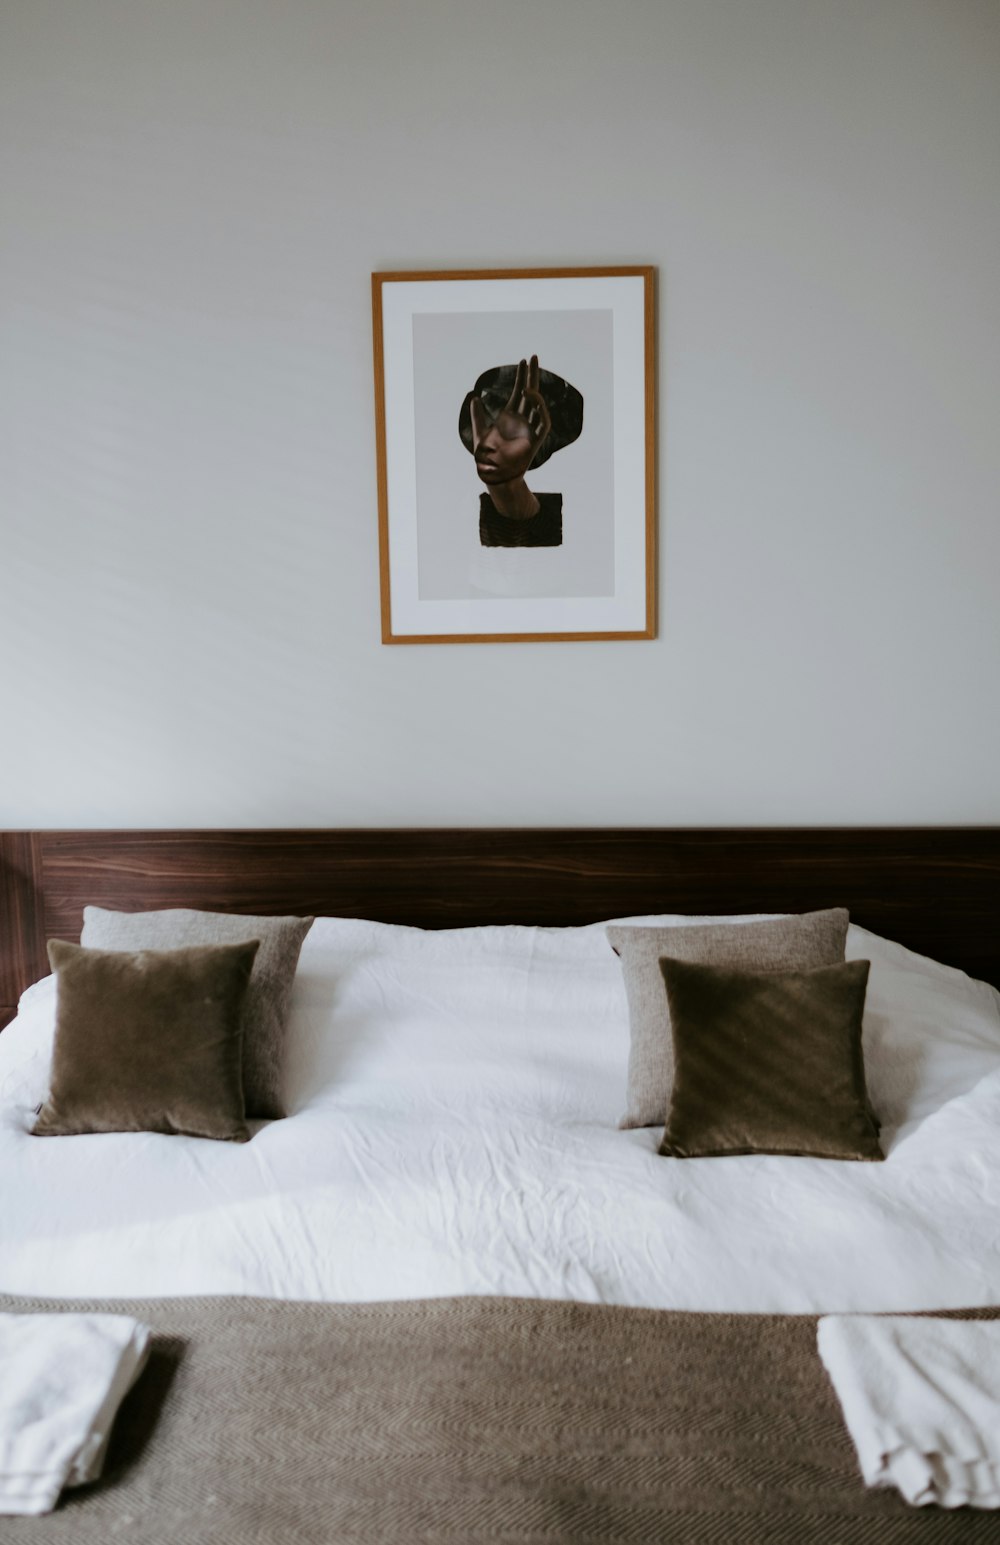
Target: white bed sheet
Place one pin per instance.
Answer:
(456, 1101)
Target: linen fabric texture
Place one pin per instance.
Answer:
(62, 1379)
(768, 1062)
(921, 1401)
(267, 1005)
(483, 1419)
(796, 943)
(148, 1041)
(404, 1042)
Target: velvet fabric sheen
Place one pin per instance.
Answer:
(148, 1041)
(796, 943)
(768, 1063)
(267, 1004)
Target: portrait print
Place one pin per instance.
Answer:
(514, 419)
(477, 537)
(513, 455)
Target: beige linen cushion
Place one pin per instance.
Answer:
(797, 943)
(147, 1041)
(267, 1003)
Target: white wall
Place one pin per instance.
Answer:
(193, 196)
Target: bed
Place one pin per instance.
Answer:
(452, 1207)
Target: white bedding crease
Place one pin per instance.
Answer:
(921, 1400)
(62, 1379)
(456, 1097)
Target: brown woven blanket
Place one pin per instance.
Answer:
(478, 1419)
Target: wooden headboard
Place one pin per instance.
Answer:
(935, 889)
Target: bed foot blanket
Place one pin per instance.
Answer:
(459, 1420)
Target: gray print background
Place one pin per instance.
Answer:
(449, 352)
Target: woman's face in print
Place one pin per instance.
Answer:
(503, 447)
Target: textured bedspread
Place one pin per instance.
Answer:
(478, 1419)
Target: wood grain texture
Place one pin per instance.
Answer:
(935, 889)
(22, 936)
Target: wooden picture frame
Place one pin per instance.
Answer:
(482, 376)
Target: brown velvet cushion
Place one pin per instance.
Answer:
(267, 1005)
(795, 943)
(768, 1063)
(148, 1041)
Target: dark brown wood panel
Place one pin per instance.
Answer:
(22, 935)
(934, 889)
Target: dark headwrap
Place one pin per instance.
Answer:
(564, 402)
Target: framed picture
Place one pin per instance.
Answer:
(515, 428)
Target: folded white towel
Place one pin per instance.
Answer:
(62, 1379)
(921, 1399)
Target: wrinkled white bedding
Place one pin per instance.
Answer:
(456, 1099)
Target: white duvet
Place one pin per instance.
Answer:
(456, 1099)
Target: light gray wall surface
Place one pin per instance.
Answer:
(193, 194)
